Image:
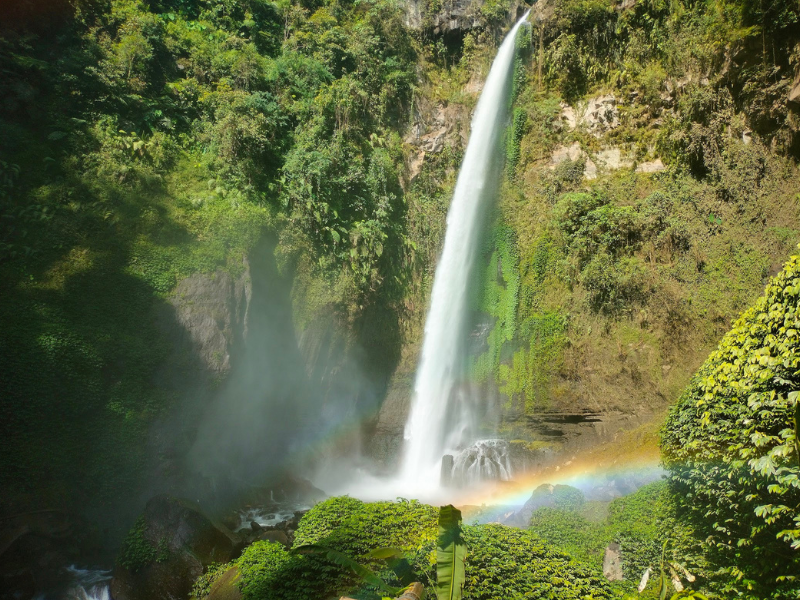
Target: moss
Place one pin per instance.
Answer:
(137, 551)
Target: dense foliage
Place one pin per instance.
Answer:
(504, 562)
(501, 562)
(602, 281)
(730, 444)
(646, 526)
(143, 142)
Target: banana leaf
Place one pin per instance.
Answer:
(451, 554)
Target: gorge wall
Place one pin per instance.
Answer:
(649, 197)
(192, 221)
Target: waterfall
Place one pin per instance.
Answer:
(440, 416)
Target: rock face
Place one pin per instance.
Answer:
(794, 92)
(453, 16)
(182, 541)
(34, 548)
(434, 127)
(211, 307)
(598, 115)
(612, 562)
(386, 440)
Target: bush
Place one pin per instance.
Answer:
(730, 444)
(614, 285)
(502, 562)
(508, 563)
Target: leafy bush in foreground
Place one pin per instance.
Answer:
(502, 562)
(730, 444)
(641, 523)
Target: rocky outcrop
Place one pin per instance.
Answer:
(211, 308)
(452, 16)
(163, 557)
(612, 562)
(387, 435)
(794, 93)
(435, 126)
(597, 115)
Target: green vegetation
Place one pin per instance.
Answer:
(616, 284)
(137, 551)
(730, 444)
(144, 142)
(501, 562)
(644, 524)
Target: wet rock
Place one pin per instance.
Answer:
(485, 460)
(183, 540)
(276, 536)
(36, 546)
(210, 308)
(612, 562)
(255, 526)
(446, 477)
(386, 441)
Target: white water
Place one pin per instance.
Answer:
(485, 460)
(439, 420)
(88, 584)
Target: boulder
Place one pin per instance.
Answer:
(35, 547)
(168, 550)
(612, 562)
(276, 536)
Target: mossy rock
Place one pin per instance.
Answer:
(226, 587)
(167, 550)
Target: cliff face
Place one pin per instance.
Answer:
(649, 193)
(644, 207)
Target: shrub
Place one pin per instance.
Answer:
(502, 562)
(730, 444)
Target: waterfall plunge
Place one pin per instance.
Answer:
(439, 419)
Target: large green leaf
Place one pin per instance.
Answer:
(450, 555)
